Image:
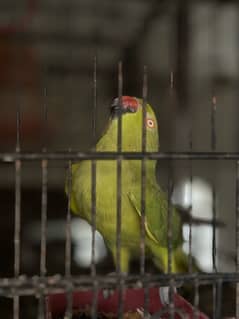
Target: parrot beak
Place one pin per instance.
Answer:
(115, 108)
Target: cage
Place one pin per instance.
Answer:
(62, 63)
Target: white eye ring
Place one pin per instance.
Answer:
(150, 123)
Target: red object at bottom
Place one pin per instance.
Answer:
(133, 301)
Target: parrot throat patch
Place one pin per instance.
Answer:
(128, 104)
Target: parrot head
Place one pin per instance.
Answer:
(130, 109)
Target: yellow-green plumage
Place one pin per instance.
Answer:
(156, 204)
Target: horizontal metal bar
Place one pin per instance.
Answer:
(55, 284)
(28, 156)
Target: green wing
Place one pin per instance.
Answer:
(156, 213)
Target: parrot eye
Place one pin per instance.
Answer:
(150, 123)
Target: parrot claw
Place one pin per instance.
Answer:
(164, 294)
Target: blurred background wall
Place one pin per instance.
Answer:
(47, 51)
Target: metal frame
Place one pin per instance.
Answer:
(42, 285)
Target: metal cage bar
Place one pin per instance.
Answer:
(237, 237)
(190, 139)
(63, 156)
(68, 242)
(119, 194)
(17, 228)
(170, 216)
(143, 188)
(26, 286)
(214, 211)
(93, 196)
(44, 186)
(196, 298)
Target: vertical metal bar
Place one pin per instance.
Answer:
(183, 36)
(196, 299)
(213, 148)
(169, 245)
(219, 299)
(44, 167)
(143, 189)
(93, 195)
(171, 82)
(170, 189)
(169, 225)
(119, 190)
(144, 111)
(94, 96)
(214, 298)
(68, 243)
(213, 123)
(190, 260)
(143, 175)
(45, 118)
(17, 230)
(237, 237)
(214, 228)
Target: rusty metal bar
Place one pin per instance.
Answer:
(68, 242)
(169, 243)
(196, 299)
(43, 233)
(63, 156)
(17, 226)
(143, 188)
(143, 175)
(44, 169)
(52, 284)
(218, 312)
(190, 142)
(169, 220)
(237, 237)
(119, 193)
(93, 195)
(213, 148)
(44, 166)
(213, 123)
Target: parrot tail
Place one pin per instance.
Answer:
(179, 261)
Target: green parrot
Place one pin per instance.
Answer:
(156, 202)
